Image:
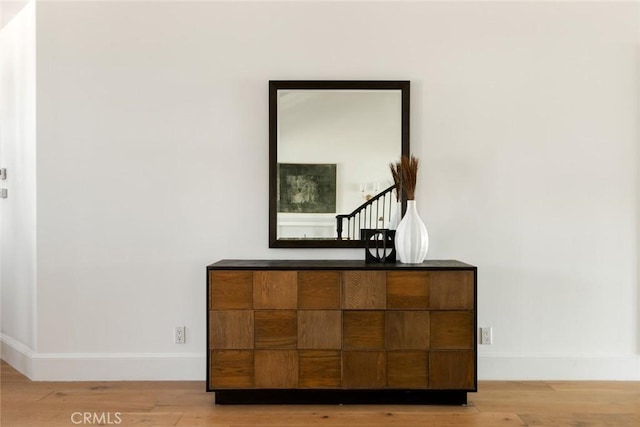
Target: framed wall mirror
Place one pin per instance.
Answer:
(330, 145)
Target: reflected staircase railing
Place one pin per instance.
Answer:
(374, 213)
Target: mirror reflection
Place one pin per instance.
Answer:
(331, 145)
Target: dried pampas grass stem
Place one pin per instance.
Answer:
(405, 176)
(409, 167)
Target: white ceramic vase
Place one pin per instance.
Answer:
(412, 239)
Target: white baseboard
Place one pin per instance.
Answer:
(510, 367)
(102, 366)
(17, 355)
(119, 367)
(192, 366)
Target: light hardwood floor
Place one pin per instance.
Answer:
(185, 403)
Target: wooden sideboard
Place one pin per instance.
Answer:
(341, 332)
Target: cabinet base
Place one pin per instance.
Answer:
(373, 397)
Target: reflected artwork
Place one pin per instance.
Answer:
(306, 188)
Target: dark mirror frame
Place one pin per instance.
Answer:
(274, 86)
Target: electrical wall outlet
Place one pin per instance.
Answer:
(486, 336)
(179, 336)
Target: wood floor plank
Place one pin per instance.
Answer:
(556, 402)
(349, 418)
(582, 420)
(516, 386)
(186, 398)
(159, 419)
(596, 386)
(232, 413)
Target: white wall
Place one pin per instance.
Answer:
(152, 163)
(18, 211)
(9, 9)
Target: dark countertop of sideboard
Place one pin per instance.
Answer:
(238, 264)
